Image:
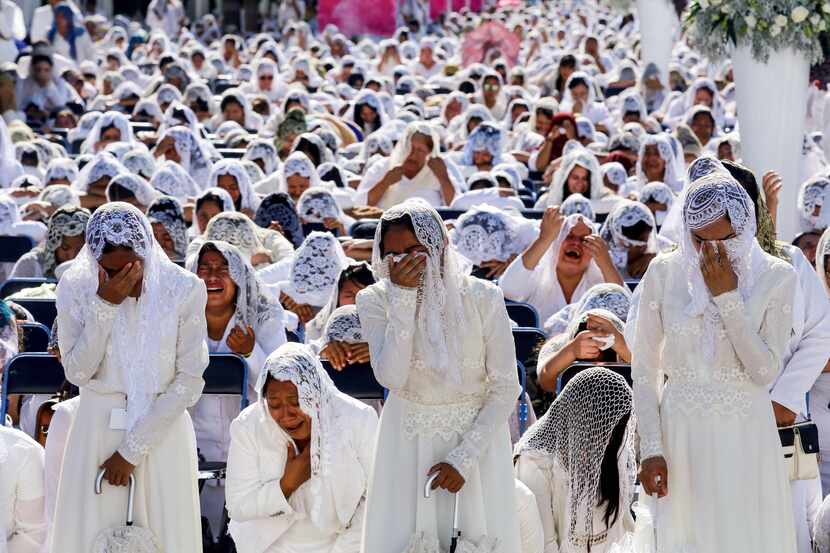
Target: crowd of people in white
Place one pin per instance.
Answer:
(321, 205)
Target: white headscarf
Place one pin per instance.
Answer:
(9, 166)
(172, 179)
(195, 160)
(104, 164)
(582, 158)
(234, 168)
(109, 119)
(672, 176)
(486, 233)
(822, 251)
(299, 164)
(315, 269)
(141, 189)
(265, 150)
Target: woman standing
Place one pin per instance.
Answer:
(715, 319)
(450, 392)
(132, 334)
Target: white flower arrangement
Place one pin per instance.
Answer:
(714, 26)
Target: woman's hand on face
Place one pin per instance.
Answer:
(448, 478)
(407, 272)
(241, 340)
(598, 248)
(637, 267)
(717, 270)
(336, 353)
(116, 289)
(654, 476)
(297, 470)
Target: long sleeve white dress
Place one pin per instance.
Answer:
(145, 356)
(21, 493)
(712, 421)
(427, 420)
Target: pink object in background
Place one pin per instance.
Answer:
(486, 40)
(356, 17)
(510, 3)
(438, 7)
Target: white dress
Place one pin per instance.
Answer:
(427, 420)
(549, 484)
(21, 493)
(262, 519)
(162, 444)
(712, 421)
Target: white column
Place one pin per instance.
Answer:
(659, 27)
(772, 107)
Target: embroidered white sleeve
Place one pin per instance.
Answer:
(647, 363)
(83, 345)
(388, 327)
(760, 350)
(191, 359)
(502, 382)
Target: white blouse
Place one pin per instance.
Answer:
(21, 492)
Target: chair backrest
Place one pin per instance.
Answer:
(12, 248)
(632, 284)
(364, 229)
(527, 342)
(227, 374)
(523, 314)
(357, 381)
(35, 337)
(43, 310)
(30, 373)
(14, 285)
(231, 153)
(623, 369)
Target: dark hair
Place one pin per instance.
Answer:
(360, 273)
(567, 191)
(359, 118)
(609, 476)
(404, 221)
(310, 149)
(29, 158)
(119, 193)
(333, 175)
(576, 82)
(108, 127)
(635, 231)
(109, 247)
(230, 100)
(210, 197)
(480, 184)
(268, 380)
(745, 178)
(200, 105)
(467, 87)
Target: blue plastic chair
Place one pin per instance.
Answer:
(43, 310)
(527, 342)
(623, 369)
(35, 337)
(12, 248)
(523, 406)
(14, 285)
(357, 381)
(30, 373)
(523, 314)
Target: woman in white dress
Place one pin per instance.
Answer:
(21, 493)
(820, 393)
(299, 461)
(451, 392)
(132, 335)
(579, 462)
(714, 320)
(242, 318)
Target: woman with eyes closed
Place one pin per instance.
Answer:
(714, 321)
(299, 461)
(242, 318)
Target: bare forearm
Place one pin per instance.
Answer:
(610, 274)
(447, 190)
(375, 194)
(534, 253)
(543, 159)
(551, 370)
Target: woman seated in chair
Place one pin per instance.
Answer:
(579, 462)
(242, 318)
(630, 231)
(64, 239)
(593, 335)
(299, 461)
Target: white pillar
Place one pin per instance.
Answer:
(772, 107)
(659, 27)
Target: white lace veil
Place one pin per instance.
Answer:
(487, 233)
(811, 195)
(316, 269)
(135, 348)
(109, 119)
(104, 164)
(575, 433)
(425, 177)
(171, 179)
(333, 463)
(440, 311)
(141, 189)
(582, 158)
(822, 251)
(707, 200)
(627, 214)
(65, 221)
(577, 203)
(234, 168)
(236, 229)
(317, 204)
(344, 326)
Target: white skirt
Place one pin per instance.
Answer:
(166, 492)
(396, 508)
(728, 486)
